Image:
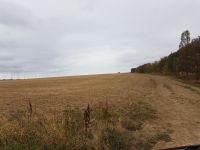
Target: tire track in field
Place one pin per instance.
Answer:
(177, 108)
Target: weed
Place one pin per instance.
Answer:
(144, 142)
(75, 129)
(141, 112)
(114, 139)
(131, 125)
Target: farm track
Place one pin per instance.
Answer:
(176, 103)
(179, 108)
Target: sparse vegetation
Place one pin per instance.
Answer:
(141, 112)
(114, 139)
(72, 130)
(131, 125)
(147, 142)
(190, 88)
(191, 83)
(49, 113)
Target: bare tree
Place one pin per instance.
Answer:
(185, 39)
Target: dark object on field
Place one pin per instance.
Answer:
(189, 147)
(87, 114)
(30, 109)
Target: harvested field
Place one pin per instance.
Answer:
(156, 109)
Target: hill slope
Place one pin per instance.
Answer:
(176, 104)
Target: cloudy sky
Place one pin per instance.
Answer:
(72, 37)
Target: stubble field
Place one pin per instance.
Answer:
(139, 111)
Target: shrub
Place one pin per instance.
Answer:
(131, 125)
(141, 112)
(113, 139)
(147, 142)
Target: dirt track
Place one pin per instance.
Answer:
(177, 104)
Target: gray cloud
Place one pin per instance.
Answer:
(62, 37)
(14, 15)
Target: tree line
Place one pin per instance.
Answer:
(184, 63)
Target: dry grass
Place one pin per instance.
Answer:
(49, 113)
(67, 131)
(56, 93)
(168, 87)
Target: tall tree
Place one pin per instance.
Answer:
(185, 39)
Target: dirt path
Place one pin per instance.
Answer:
(179, 106)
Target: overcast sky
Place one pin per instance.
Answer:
(72, 37)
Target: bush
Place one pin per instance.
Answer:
(141, 112)
(131, 125)
(113, 139)
(147, 142)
